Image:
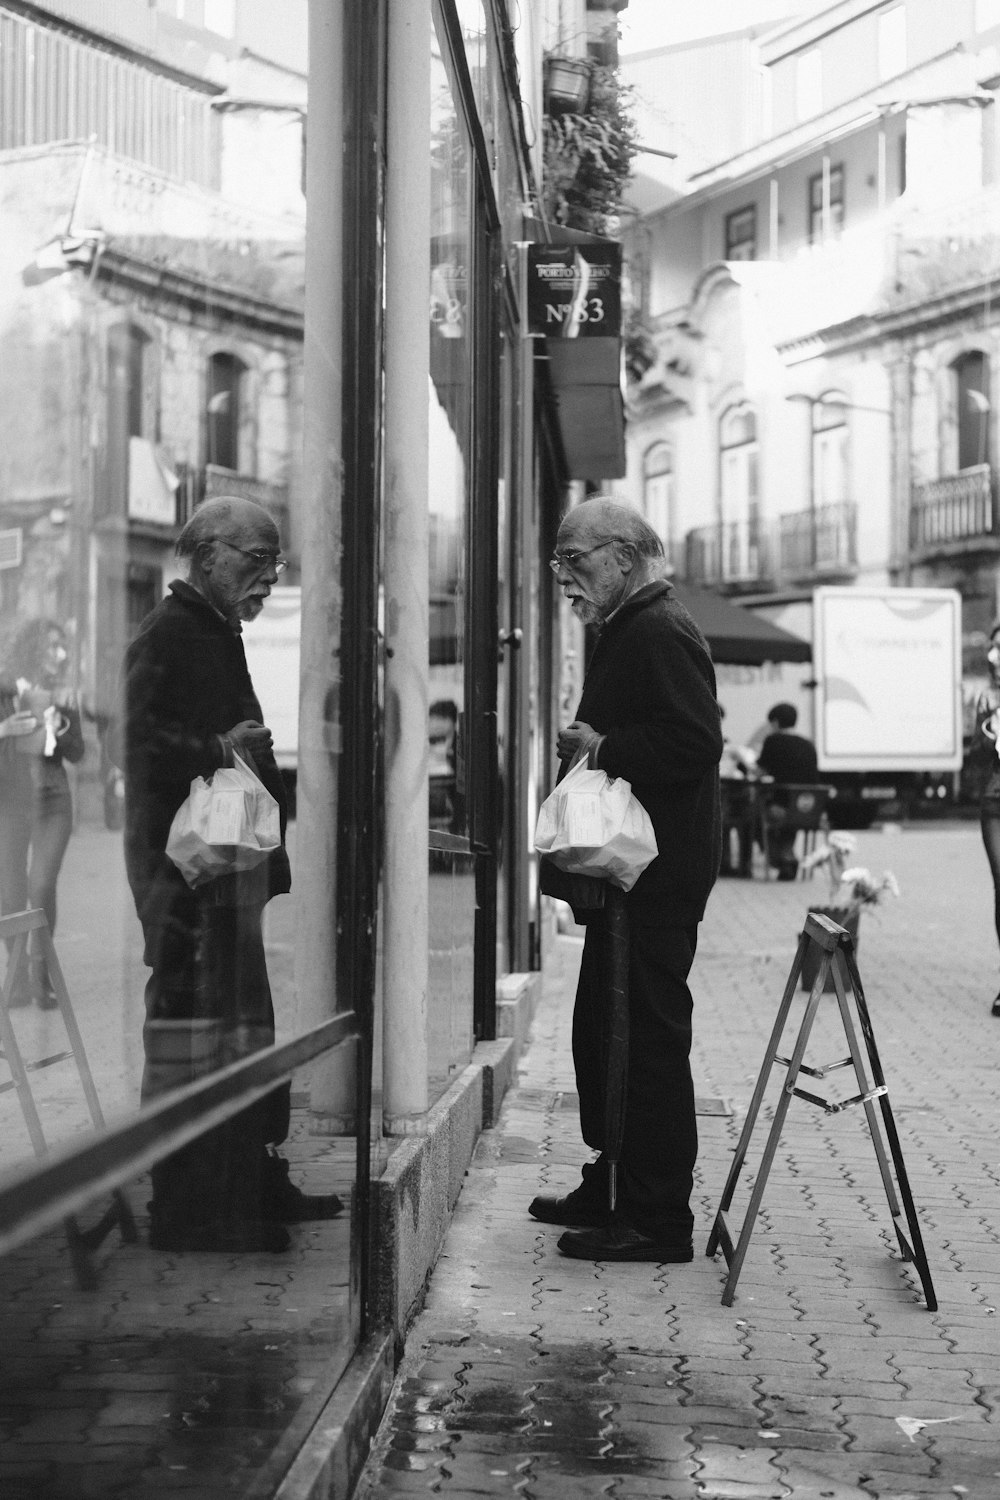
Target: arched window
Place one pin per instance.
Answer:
(829, 449)
(738, 492)
(971, 394)
(224, 410)
(130, 407)
(658, 491)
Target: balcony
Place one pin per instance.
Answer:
(729, 552)
(817, 542)
(955, 514)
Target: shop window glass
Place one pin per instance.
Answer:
(449, 411)
(117, 387)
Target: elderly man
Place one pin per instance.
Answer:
(189, 705)
(649, 714)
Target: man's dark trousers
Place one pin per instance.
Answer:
(660, 1142)
(208, 1003)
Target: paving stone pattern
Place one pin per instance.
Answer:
(179, 1374)
(531, 1375)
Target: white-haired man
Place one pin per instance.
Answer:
(189, 705)
(648, 713)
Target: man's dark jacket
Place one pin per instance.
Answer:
(650, 689)
(186, 683)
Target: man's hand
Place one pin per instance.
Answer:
(249, 738)
(576, 739)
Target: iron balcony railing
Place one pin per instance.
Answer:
(816, 541)
(954, 511)
(54, 87)
(728, 552)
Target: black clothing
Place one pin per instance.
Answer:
(660, 1143)
(186, 683)
(787, 757)
(650, 689)
(790, 757)
(208, 1000)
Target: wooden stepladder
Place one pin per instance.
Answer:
(15, 931)
(838, 960)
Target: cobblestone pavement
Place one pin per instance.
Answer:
(531, 1375)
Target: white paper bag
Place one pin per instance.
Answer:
(592, 824)
(224, 825)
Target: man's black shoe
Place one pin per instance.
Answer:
(622, 1242)
(237, 1236)
(284, 1203)
(297, 1207)
(574, 1209)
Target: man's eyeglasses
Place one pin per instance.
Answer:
(572, 555)
(262, 559)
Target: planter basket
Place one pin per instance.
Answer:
(813, 957)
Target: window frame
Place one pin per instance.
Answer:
(825, 220)
(739, 503)
(735, 241)
(828, 438)
(233, 427)
(658, 491)
(973, 426)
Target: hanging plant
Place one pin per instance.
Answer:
(588, 156)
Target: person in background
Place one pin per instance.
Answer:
(736, 773)
(791, 758)
(648, 713)
(984, 756)
(40, 730)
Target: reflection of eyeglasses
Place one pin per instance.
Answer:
(262, 559)
(571, 557)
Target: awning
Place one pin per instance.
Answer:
(736, 635)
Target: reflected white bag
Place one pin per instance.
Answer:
(224, 825)
(593, 824)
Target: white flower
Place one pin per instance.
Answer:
(864, 889)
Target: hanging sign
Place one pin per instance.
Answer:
(574, 291)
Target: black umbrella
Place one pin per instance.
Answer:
(736, 635)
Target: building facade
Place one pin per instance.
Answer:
(813, 403)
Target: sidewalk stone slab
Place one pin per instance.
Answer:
(796, 1391)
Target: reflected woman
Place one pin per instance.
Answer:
(40, 730)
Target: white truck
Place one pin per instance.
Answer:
(882, 700)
